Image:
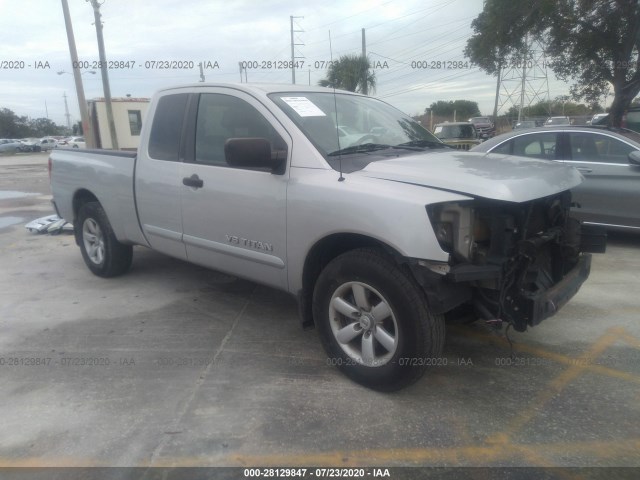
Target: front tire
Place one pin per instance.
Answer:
(374, 322)
(102, 252)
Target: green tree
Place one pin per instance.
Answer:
(499, 33)
(463, 108)
(560, 106)
(351, 72)
(595, 43)
(13, 126)
(41, 127)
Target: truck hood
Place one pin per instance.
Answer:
(494, 176)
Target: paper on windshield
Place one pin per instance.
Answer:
(303, 106)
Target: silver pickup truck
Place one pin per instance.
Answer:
(380, 230)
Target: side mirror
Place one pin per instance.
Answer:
(634, 158)
(253, 153)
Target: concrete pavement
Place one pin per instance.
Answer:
(176, 365)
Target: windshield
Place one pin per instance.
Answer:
(558, 121)
(454, 131)
(361, 121)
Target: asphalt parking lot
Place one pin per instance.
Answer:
(175, 365)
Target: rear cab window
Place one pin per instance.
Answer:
(166, 130)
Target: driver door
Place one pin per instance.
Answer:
(234, 219)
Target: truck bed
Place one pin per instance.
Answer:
(108, 175)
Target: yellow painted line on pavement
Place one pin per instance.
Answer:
(44, 462)
(582, 361)
(630, 339)
(471, 455)
(555, 386)
(540, 461)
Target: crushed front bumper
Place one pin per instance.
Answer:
(544, 304)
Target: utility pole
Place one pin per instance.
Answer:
(66, 111)
(293, 53)
(82, 102)
(524, 78)
(105, 74)
(495, 105)
(365, 87)
(201, 72)
(245, 71)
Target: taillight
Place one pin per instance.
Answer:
(50, 167)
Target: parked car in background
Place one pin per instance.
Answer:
(8, 146)
(460, 135)
(24, 146)
(609, 159)
(553, 121)
(525, 124)
(77, 142)
(47, 143)
(30, 145)
(484, 126)
(597, 118)
(630, 119)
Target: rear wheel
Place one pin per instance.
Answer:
(102, 252)
(374, 322)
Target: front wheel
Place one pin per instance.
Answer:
(374, 322)
(102, 252)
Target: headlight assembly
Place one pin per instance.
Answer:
(453, 225)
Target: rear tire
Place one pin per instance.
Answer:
(102, 252)
(374, 322)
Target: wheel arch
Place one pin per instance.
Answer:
(80, 198)
(320, 254)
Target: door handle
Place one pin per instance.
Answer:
(585, 170)
(193, 181)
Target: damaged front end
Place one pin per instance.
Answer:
(512, 262)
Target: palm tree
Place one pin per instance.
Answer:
(351, 72)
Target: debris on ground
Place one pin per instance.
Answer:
(51, 224)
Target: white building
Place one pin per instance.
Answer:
(128, 115)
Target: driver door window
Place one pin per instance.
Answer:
(221, 117)
(589, 147)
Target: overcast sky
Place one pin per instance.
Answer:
(223, 33)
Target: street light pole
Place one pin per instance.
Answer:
(105, 75)
(66, 111)
(82, 102)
